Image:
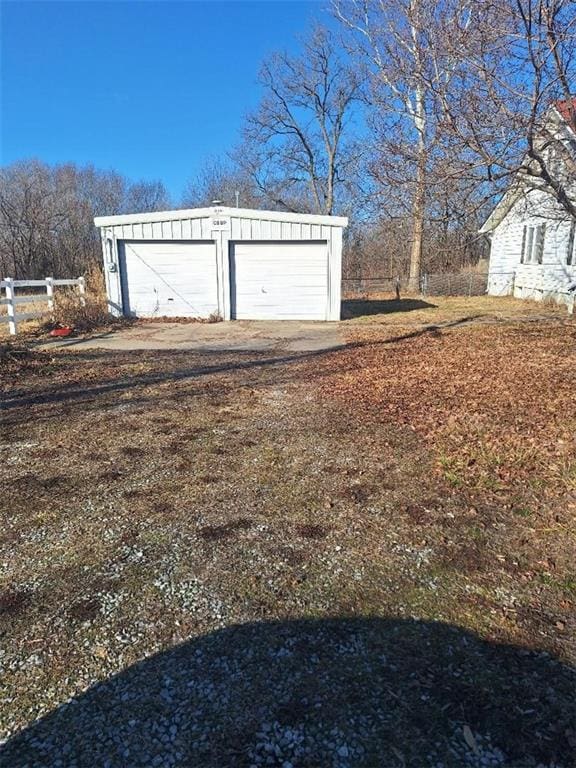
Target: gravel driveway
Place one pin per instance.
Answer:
(312, 693)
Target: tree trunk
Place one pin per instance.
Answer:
(420, 123)
(418, 213)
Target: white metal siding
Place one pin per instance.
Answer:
(169, 278)
(223, 226)
(281, 280)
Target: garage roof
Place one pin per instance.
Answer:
(245, 213)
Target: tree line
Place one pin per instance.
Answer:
(409, 116)
(47, 215)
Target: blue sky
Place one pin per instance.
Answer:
(150, 89)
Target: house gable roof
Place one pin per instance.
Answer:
(501, 210)
(565, 111)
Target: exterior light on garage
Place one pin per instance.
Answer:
(110, 254)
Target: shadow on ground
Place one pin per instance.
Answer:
(209, 363)
(359, 307)
(340, 692)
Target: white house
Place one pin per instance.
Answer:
(232, 263)
(532, 252)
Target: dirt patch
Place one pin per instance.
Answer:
(311, 531)
(84, 610)
(224, 531)
(357, 493)
(13, 602)
(19, 359)
(131, 451)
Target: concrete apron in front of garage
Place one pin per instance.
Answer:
(241, 335)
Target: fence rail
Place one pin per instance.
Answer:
(11, 300)
(361, 285)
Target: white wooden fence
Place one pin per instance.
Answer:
(11, 300)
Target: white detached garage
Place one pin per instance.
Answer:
(235, 263)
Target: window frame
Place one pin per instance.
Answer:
(571, 245)
(533, 241)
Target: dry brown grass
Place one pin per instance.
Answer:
(494, 405)
(383, 309)
(25, 327)
(84, 316)
(83, 313)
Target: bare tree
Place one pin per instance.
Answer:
(26, 215)
(295, 144)
(512, 93)
(394, 40)
(47, 215)
(145, 196)
(222, 180)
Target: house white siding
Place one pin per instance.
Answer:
(289, 249)
(552, 277)
(504, 256)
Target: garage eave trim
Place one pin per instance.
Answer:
(197, 213)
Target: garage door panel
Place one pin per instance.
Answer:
(265, 287)
(170, 278)
(296, 267)
(280, 280)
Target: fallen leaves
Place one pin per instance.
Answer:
(497, 402)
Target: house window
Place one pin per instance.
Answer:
(533, 244)
(570, 255)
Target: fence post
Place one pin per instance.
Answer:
(11, 307)
(50, 292)
(82, 290)
(470, 284)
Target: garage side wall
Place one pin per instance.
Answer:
(222, 228)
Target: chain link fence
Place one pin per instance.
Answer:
(463, 283)
(361, 286)
(557, 290)
(454, 284)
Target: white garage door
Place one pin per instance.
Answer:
(169, 278)
(279, 281)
